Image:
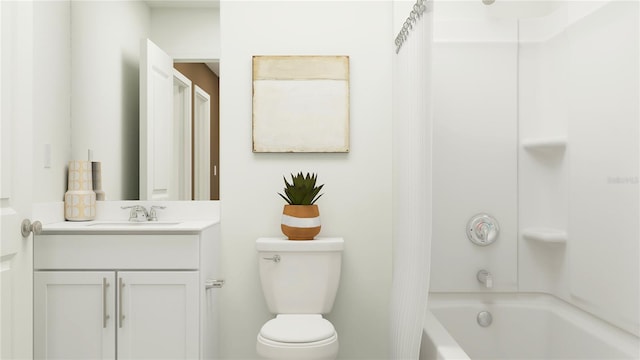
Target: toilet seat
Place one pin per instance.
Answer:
(297, 328)
(295, 337)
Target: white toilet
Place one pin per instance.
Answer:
(299, 282)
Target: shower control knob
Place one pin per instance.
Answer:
(483, 229)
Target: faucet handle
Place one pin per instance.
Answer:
(153, 216)
(138, 213)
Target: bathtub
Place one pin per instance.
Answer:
(524, 326)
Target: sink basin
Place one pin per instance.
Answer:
(133, 223)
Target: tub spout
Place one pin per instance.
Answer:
(486, 278)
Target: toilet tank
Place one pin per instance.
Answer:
(299, 276)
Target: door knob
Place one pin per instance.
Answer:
(27, 227)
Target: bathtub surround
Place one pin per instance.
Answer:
(412, 126)
(579, 81)
(474, 150)
(547, 140)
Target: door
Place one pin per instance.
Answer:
(182, 134)
(156, 123)
(158, 315)
(202, 144)
(16, 158)
(74, 315)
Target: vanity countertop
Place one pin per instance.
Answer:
(175, 217)
(126, 227)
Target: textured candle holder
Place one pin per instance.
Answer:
(80, 199)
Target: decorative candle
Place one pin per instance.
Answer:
(80, 199)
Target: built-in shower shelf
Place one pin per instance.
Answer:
(545, 143)
(545, 235)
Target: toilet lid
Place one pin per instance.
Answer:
(293, 328)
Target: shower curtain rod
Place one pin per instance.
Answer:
(419, 8)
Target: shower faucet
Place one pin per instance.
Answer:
(486, 278)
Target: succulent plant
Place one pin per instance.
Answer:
(302, 190)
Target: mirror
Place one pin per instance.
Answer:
(105, 72)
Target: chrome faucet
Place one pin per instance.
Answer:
(152, 213)
(486, 278)
(138, 213)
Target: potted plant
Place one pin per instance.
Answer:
(300, 217)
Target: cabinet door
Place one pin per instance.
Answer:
(158, 315)
(74, 315)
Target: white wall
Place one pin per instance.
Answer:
(474, 150)
(357, 200)
(105, 53)
(52, 87)
(187, 33)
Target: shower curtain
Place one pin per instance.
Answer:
(411, 186)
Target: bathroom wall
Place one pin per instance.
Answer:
(474, 149)
(581, 67)
(187, 33)
(357, 200)
(51, 110)
(35, 102)
(105, 53)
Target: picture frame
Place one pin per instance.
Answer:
(300, 104)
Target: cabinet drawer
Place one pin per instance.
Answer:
(135, 252)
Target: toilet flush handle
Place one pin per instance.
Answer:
(275, 258)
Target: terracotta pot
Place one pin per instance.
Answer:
(300, 222)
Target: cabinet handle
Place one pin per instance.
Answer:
(105, 316)
(120, 307)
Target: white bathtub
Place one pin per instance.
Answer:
(525, 326)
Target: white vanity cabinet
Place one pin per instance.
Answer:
(125, 296)
(70, 315)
